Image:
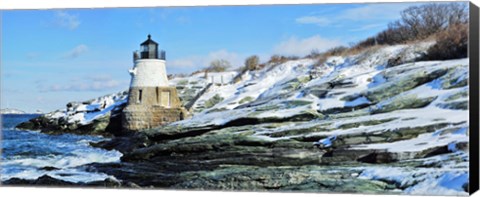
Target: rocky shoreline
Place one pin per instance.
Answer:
(100, 116)
(356, 129)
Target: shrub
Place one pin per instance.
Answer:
(292, 57)
(197, 71)
(336, 51)
(261, 66)
(366, 43)
(314, 54)
(251, 63)
(277, 59)
(320, 60)
(322, 57)
(219, 65)
(452, 43)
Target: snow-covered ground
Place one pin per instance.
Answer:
(410, 109)
(360, 89)
(446, 180)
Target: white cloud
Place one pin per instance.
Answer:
(188, 62)
(89, 83)
(100, 77)
(366, 12)
(367, 27)
(183, 19)
(66, 20)
(300, 47)
(75, 52)
(291, 46)
(375, 11)
(317, 20)
(197, 62)
(234, 58)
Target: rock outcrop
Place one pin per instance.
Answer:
(98, 116)
(364, 124)
(359, 127)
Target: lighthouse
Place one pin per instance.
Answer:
(151, 101)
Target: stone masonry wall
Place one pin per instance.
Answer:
(150, 110)
(137, 118)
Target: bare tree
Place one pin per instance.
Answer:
(419, 22)
(425, 20)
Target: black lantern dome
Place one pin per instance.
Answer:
(149, 50)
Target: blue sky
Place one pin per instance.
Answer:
(51, 57)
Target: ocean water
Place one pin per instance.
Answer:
(30, 154)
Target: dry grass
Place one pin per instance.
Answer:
(452, 43)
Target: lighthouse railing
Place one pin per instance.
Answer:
(161, 54)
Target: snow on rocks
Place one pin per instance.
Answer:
(450, 177)
(378, 102)
(85, 112)
(397, 120)
(326, 143)
(422, 142)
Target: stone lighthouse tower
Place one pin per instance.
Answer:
(151, 101)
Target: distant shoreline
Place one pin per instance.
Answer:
(21, 114)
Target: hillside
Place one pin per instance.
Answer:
(338, 126)
(335, 127)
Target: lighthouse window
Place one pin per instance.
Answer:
(165, 99)
(139, 96)
(144, 48)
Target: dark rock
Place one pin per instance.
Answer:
(320, 93)
(100, 126)
(466, 187)
(108, 182)
(124, 144)
(340, 156)
(344, 83)
(456, 105)
(44, 180)
(49, 168)
(131, 185)
(442, 150)
(378, 158)
(392, 62)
